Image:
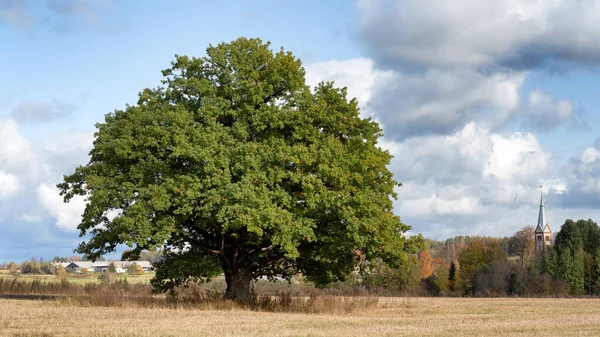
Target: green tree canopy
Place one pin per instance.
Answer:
(573, 259)
(583, 234)
(235, 165)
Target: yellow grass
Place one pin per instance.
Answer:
(80, 279)
(392, 317)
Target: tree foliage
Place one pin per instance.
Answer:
(378, 274)
(426, 264)
(522, 244)
(135, 269)
(234, 165)
(477, 255)
(573, 259)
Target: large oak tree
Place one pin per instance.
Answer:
(236, 166)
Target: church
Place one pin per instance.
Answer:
(543, 233)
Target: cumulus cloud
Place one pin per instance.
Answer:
(507, 33)
(544, 113)
(9, 185)
(472, 156)
(442, 101)
(358, 75)
(66, 151)
(25, 166)
(517, 157)
(479, 182)
(437, 101)
(68, 215)
(453, 62)
(34, 112)
(17, 154)
(584, 179)
(466, 180)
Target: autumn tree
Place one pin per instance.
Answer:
(61, 273)
(425, 264)
(477, 255)
(522, 244)
(235, 165)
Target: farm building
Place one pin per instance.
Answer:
(102, 266)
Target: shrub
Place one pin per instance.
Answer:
(107, 277)
(61, 273)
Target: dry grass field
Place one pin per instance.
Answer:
(391, 317)
(80, 279)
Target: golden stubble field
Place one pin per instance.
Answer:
(392, 317)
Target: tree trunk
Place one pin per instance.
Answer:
(238, 286)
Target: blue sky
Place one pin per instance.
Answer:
(480, 102)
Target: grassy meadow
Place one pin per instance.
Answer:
(79, 278)
(389, 317)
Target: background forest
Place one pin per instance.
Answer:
(488, 266)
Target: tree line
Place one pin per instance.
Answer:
(487, 266)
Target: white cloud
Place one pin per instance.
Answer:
(27, 217)
(449, 63)
(513, 33)
(9, 185)
(545, 113)
(437, 101)
(358, 75)
(66, 151)
(435, 205)
(583, 183)
(441, 101)
(470, 179)
(517, 157)
(68, 215)
(17, 154)
(70, 142)
(589, 155)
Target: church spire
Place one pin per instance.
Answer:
(542, 216)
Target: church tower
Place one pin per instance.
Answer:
(543, 233)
